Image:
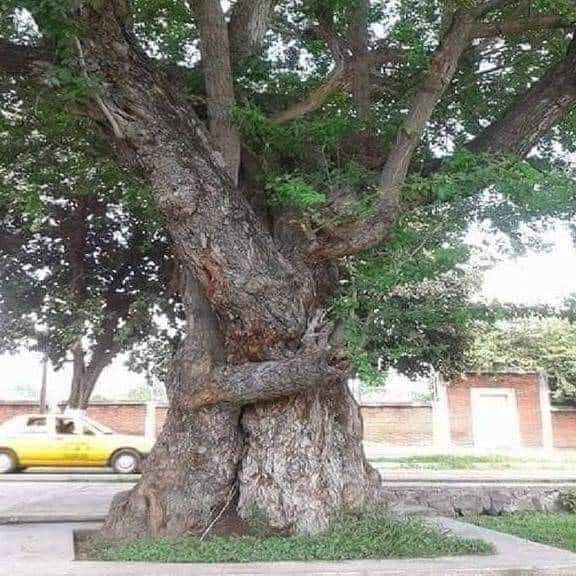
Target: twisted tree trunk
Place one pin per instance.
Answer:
(260, 418)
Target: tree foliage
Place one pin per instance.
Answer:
(405, 304)
(84, 261)
(534, 344)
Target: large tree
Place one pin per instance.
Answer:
(281, 140)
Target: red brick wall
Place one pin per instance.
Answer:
(564, 427)
(527, 387)
(122, 417)
(398, 425)
(10, 409)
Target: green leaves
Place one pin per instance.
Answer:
(532, 191)
(532, 344)
(293, 191)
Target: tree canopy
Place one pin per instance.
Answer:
(84, 262)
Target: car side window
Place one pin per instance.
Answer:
(65, 426)
(36, 425)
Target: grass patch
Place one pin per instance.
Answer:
(449, 462)
(558, 530)
(373, 535)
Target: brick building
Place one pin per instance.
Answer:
(500, 411)
(504, 411)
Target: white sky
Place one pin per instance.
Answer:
(539, 278)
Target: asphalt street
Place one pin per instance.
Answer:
(73, 499)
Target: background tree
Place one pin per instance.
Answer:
(83, 262)
(547, 344)
(271, 176)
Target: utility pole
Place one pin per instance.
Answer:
(44, 386)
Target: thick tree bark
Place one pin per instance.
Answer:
(304, 460)
(191, 474)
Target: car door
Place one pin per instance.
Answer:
(95, 450)
(70, 443)
(34, 443)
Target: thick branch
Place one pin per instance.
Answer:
(219, 81)
(17, 60)
(257, 382)
(358, 34)
(358, 236)
(249, 23)
(533, 113)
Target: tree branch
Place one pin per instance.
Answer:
(261, 381)
(357, 236)
(217, 68)
(533, 113)
(339, 78)
(358, 34)
(496, 29)
(17, 60)
(249, 23)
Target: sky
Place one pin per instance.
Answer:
(537, 278)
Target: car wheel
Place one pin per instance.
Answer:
(126, 462)
(8, 462)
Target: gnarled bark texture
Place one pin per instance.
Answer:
(304, 460)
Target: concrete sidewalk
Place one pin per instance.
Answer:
(47, 551)
(388, 474)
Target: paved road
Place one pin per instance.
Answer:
(76, 499)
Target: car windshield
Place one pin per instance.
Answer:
(99, 427)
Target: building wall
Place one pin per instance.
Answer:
(564, 427)
(122, 417)
(398, 425)
(527, 387)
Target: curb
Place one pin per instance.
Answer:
(91, 478)
(50, 518)
(481, 481)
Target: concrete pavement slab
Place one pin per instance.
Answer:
(69, 475)
(46, 551)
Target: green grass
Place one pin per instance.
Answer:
(449, 462)
(479, 462)
(558, 530)
(373, 535)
